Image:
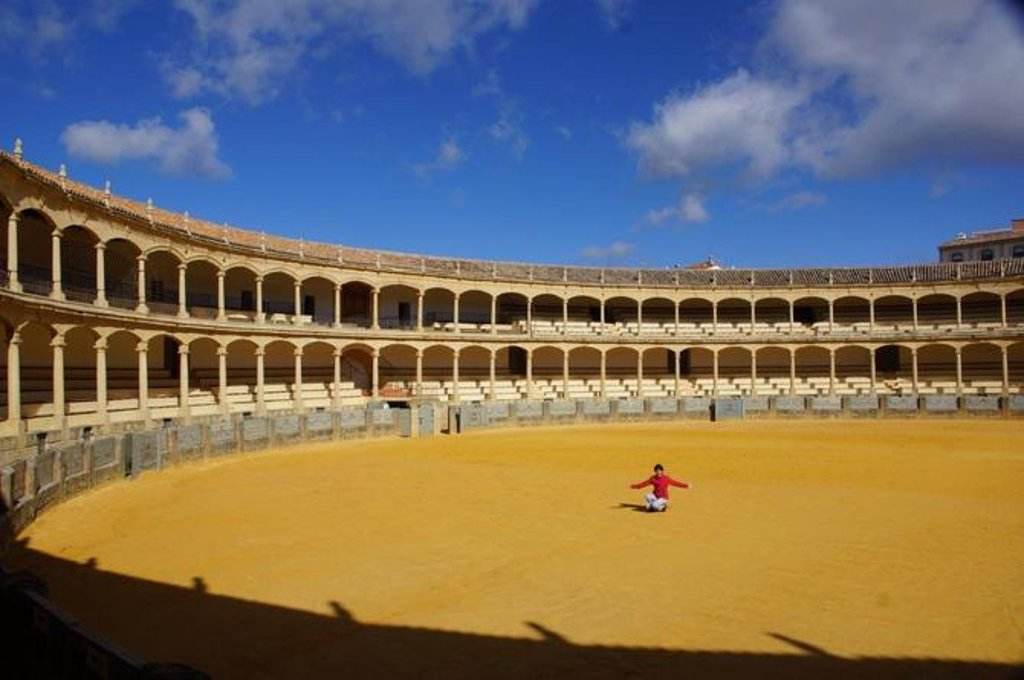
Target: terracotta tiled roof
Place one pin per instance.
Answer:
(976, 237)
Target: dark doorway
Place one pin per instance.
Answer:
(887, 359)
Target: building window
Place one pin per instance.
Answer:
(956, 257)
(1018, 251)
(987, 255)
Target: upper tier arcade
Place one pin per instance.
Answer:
(32, 186)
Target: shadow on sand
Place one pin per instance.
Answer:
(231, 637)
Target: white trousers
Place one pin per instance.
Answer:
(655, 503)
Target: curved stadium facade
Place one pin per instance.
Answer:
(116, 312)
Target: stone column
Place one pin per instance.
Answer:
(529, 373)
(792, 371)
(565, 374)
(714, 376)
(676, 371)
(640, 374)
(337, 305)
(419, 311)
(492, 371)
(871, 314)
(753, 315)
(753, 372)
(101, 275)
(12, 253)
(419, 373)
(101, 378)
(297, 312)
(1006, 371)
(183, 389)
(297, 380)
(604, 371)
(601, 330)
(959, 371)
(913, 305)
(831, 371)
(1002, 309)
(675, 307)
(222, 380)
(455, 313)
(565, 316)
(143, 351)
(375, 310)
(529, 316)
(714, 316)
(494, 314)
(375, 377)
(182, 294)
(792, 317)
(874, 370)
(142, 308)
(455, 376)
(260, 315)
(336, 382)
(58, 378)
(959, 313)
(831, 316)
(913, 368)
(14, 381)
(56, 292)
(639, 316)
(221, 313)
(261, 394)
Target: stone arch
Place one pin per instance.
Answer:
(398, 306)
(162, 280)
(695, 312)
(852, 310)
(438, 308)
(120, 266)
(892, 311)
(80, 365)
(35, 259)
(317, 300)
(937, 309)
(936, 365)
(278, 295)
(772, 312)
(474, 309)
(240, 292)
(397, 370)
(982, 309)
(78, 263)
(982, 368)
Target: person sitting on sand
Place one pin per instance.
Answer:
(657, 501)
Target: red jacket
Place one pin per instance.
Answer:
(661, 485)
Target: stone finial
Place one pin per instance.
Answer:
(17, 148)
(106, 188)
(63, 172)
(149, 205)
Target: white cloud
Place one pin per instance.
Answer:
(249, 47)
(613, 251)
(798, 201)
(566, 132)
(852, 89)
(615, 12)
(689, 209)
(188, 150)
(449, 156)
(509, 129)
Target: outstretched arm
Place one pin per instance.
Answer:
(681, 485)
(640, 485)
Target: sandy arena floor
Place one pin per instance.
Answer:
(807, 549)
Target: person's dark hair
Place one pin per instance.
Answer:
(659, 467)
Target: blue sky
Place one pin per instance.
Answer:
(787, 132)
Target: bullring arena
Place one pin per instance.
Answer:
(260, 457)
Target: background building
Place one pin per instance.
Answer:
(996, 244)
